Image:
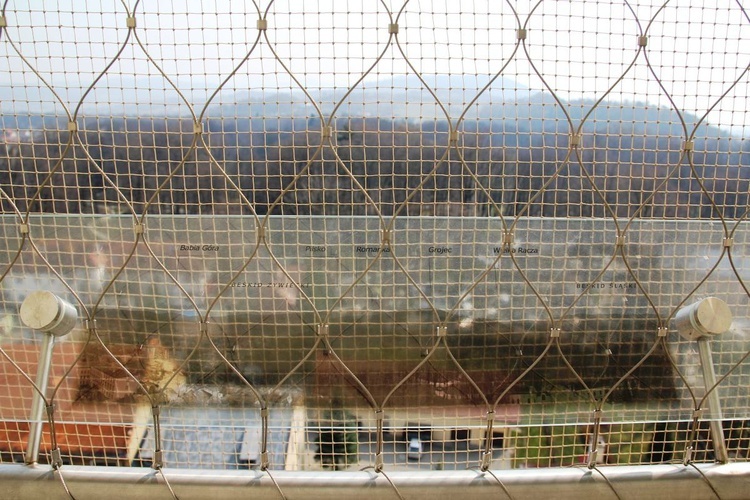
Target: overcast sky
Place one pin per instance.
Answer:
(697, 49)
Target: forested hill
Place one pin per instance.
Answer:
(503, 157)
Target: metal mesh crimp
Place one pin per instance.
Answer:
(392, 235)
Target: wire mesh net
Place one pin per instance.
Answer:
(343, 235)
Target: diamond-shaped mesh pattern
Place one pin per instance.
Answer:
(390, 235)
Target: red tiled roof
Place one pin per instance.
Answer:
(81, 427)
(72, 438)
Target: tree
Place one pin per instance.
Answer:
(338, 442)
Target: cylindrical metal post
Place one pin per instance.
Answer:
(38, 404)
(703, 321)
(53, 317)
(712, 398)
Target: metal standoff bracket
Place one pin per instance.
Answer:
(53, 317)
(702, 321)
